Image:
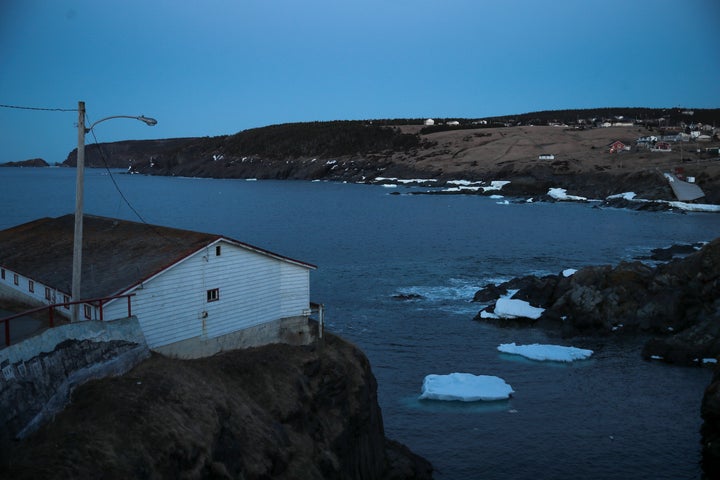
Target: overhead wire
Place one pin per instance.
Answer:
(117, 187)
(45, 109)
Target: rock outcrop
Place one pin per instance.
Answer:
(278, 411)
(679, 302)
(33, 162)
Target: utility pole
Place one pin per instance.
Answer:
(78, 236)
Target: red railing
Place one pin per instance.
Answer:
(51, 310)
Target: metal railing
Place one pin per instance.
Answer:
(98, 302)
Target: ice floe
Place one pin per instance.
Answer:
(569, 272)
(465, 387)
(508, 307)
(553, 353)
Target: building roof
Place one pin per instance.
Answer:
(117, 254)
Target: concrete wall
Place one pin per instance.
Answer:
(294, 331)
(39, 374)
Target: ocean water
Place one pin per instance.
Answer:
(614, 416)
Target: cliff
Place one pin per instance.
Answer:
(279, 411)
(501, 149)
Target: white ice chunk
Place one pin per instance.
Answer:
(554, 353)
(465, 387)
(560, 194)
(709, 360)
(569, 272)
(511, 308)
(626, 195)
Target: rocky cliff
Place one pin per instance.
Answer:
(279, 411)
(677, 302)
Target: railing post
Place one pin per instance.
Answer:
(7, 333)
(101, 311)
(129, 306)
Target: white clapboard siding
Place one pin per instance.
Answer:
(254, 289)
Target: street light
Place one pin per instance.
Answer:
(77, 239)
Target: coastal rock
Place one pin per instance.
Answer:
(277, 411)
(710, 430)
(677, 301)
(33, 162)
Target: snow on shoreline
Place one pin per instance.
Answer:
(465, 387)
(539, 352)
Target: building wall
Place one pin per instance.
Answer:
(21, 292)
(253, 289)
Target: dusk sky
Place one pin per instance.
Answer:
(218, 67)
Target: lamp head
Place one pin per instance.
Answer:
(149, 121)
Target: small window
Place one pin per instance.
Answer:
(213, 295)
(218, 250)
(66, 300)
(87, 311)
(47, 293)
(31, 286)
(16, 279)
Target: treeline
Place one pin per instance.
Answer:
(318, 139)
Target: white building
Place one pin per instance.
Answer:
(193, 293)
(429, 122)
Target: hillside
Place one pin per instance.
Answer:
(272, 412)
(503, 148)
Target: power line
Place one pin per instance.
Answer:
(18, 107)
(117, 187)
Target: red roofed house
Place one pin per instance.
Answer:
(195, 294)
(617, 146)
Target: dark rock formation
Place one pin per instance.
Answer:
(679, 300)
(33, 162)
(710, 430)
(279, 411)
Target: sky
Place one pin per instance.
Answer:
(218, 67)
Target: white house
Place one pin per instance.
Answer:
(193, 293)
(429, 122)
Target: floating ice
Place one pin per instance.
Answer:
(465, 387)
(569, 272)
(511, 308)
(553, 353)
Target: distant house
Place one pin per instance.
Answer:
(661, 147)
(617, 146)
(194, 293)
(453, 123)
(429, 122)
(546, 156)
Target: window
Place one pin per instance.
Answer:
(213, 295)
(66, 300)
(87, 311)
(31, 286)
(47, 293)
(16, 279)
(218, 250)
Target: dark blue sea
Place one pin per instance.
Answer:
(614, 416)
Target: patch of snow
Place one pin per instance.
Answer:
(251, 179)
(331, 162)
(695, 207)
(465, 387)
(506, 202)
(389, 185)
(495, 185)
(463, 183)
(626, 196)
(569, 272)
(496, 196)
(561, 194)
(617, 327)
(553, 353)
(709, 360)
(656, 357)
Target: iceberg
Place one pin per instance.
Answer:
(465, 387)
(512, 308)
(553, 353)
